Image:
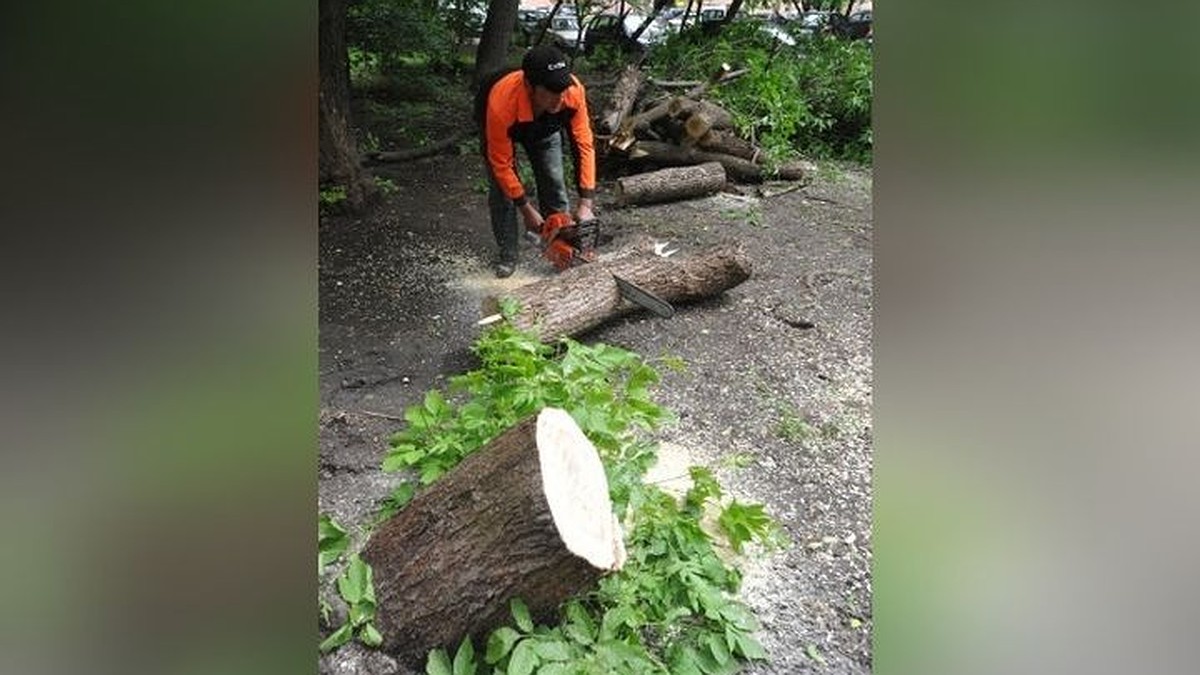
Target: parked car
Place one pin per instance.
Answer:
(528, 23)
(860, 25)
(564, 33)
(609, 29)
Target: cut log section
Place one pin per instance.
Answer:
(716, 116)
(584, 297)
(673, 184)
(528, 515)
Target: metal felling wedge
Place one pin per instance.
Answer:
(641, 296)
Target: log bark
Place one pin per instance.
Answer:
(800, 169)
(669, 185)
(621, 102)
(729, 144)
(528, 515)
(582, 298)
(716, 116)
(666, 154)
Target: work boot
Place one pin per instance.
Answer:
(506, 266)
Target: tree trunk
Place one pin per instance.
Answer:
(726, 143)
(492, 53)
(528, 516)
(668, 185)
(623, 97)
(582, 298)
(338, 161)
(666, 154)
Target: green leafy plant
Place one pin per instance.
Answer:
(794, 428)
(745, 522)
(356, 588)
(439, 662)
(813, 98)
(332, 541)
(386, 185)
(333, 195)
(672, 607)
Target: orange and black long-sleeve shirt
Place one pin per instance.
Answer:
(509, 119)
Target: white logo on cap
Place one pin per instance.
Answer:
(556, 66)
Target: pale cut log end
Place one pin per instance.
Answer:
(576, 489)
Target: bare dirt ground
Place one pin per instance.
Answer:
(776, 396)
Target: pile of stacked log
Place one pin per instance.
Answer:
(694, 138)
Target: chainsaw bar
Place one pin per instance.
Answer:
(646, 299)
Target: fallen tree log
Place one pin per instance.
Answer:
(667, 154)
(528, 515)
(582, 298)
(729, 144)
(417, 153)
(620, 104)
(716, 116)
(669, 185)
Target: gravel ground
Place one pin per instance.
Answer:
(776, 396)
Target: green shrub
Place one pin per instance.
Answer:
(813, 98)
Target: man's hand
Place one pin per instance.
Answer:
(584, 211)
(533, 219)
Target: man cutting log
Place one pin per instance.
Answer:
(532, 106)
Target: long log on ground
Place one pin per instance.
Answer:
(417, 153)
(620, 104)
(800, 169)
(582, 298)
(528, 515)
(670, 185)
(667, 154)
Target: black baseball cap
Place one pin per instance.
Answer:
(547, 66)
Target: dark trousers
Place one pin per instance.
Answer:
(546, 158)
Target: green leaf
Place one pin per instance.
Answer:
(523, 660)
(686, 662)
(500, 642)
(743, 522)
(353, 584)
(718, 648)
(813, 654)
(338, 638)
(555, 669)
(520, 614)
(552, 650)
(579, 625)
(438, 663)
(464, 659)
(749, 647)
(416, 417)
(362, 612)
(369, 635)
(332, 541)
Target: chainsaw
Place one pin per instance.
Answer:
(566, 243)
